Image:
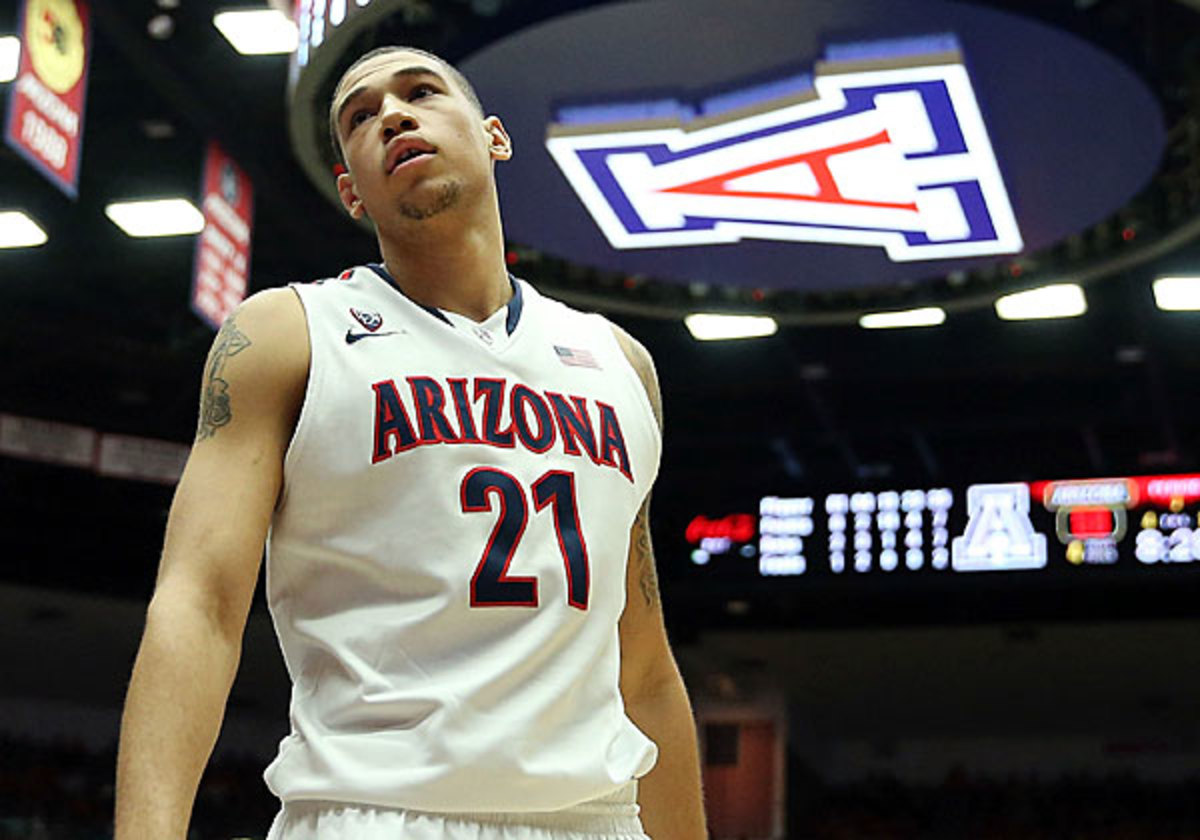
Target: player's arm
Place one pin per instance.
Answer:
(252, 388)
(655, 698)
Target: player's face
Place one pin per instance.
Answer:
(415, 145)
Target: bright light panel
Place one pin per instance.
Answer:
(258, 31)
(927, 316)
(1177, 294)
(1062, 300)
(10, 53)
(19, 231)
(164, 217)
(706, 327)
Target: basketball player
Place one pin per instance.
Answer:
(451, 473)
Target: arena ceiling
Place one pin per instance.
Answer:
(95, 327)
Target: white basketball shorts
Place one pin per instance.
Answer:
(612, 817)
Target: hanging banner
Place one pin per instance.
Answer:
(47, 441)
(109, 455)
(222, 264)
(141, 459)
(45, 108)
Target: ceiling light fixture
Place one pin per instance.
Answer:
(1061, 300)
(926, 316)
(162, 217)
(708, 327)
(19, 231)
(258, 31)
(10, 55)
(1177, 294)
(160, 27)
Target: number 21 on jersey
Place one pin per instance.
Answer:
(491, 585)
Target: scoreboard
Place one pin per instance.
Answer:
(862, 530)
(1059, 531)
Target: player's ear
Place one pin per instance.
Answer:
(349, 196)
(499, 143)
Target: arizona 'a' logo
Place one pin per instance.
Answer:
(882, 146)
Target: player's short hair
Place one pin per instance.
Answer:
(456, 76)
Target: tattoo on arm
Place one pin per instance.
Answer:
(644, 554)
(215, 409)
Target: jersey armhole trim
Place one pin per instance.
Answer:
(300, 433)
(635, 380)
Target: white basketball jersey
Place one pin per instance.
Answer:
(446, 568)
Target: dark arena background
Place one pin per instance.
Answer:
(935, 581)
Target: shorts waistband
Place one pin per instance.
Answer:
(615, 813)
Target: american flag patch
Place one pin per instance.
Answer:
(576, 358)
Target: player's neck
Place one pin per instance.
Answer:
(461, 272)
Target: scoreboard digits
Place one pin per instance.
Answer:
(865, 530)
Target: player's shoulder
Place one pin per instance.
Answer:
(268, 332)
(643, 364)
(639, 357)
(635, 352)
(275, 312)
(632, 348)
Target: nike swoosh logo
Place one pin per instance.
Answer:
(352, 336)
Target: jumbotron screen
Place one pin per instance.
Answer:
(1142, 523)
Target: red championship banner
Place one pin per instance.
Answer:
(222, 263)
(45, 108)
